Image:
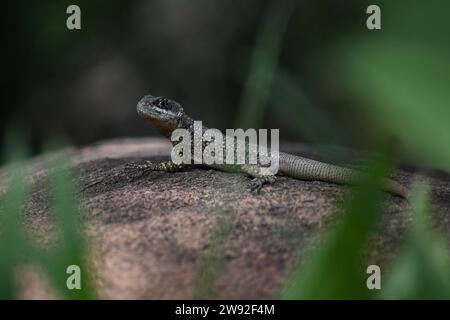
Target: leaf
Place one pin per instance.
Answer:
(335, 269)
(12, 239)
(71, 249)
(422, 269)
(263, 64)
(404, 88)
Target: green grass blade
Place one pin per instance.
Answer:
(210, 262)
(71, 247)
(422, 269)
(263, 64)
(402, 86)
(335, 269)
(12, 240)
(295, 109)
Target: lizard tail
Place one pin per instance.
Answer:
(307, 169)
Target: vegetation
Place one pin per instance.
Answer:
(18, 249)
(398, 79)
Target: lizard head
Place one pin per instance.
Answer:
(161, 113)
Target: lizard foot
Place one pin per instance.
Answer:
(257, 183)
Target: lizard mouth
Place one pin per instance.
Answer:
(157, 117)
(151, 112)
(146, 109)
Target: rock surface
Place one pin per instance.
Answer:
(156, 236)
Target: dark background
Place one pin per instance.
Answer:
(84, 84)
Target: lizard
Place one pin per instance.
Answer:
(166, 115)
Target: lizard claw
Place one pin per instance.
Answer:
(257, 183)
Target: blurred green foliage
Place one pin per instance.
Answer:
(16, 247)
(12, 238)
(210, 262)
(336, 269)
(258, 87)
(399, 76)
(405, 90)
(421, 270)
(400, 81)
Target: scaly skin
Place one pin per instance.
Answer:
(166, 115)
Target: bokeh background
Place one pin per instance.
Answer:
(295, 65)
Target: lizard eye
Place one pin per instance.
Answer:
(161, 102)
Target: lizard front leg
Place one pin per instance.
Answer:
(147, 166)
(258, 180)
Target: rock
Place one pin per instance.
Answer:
(199, 233)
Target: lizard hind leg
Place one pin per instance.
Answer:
(258, 180)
